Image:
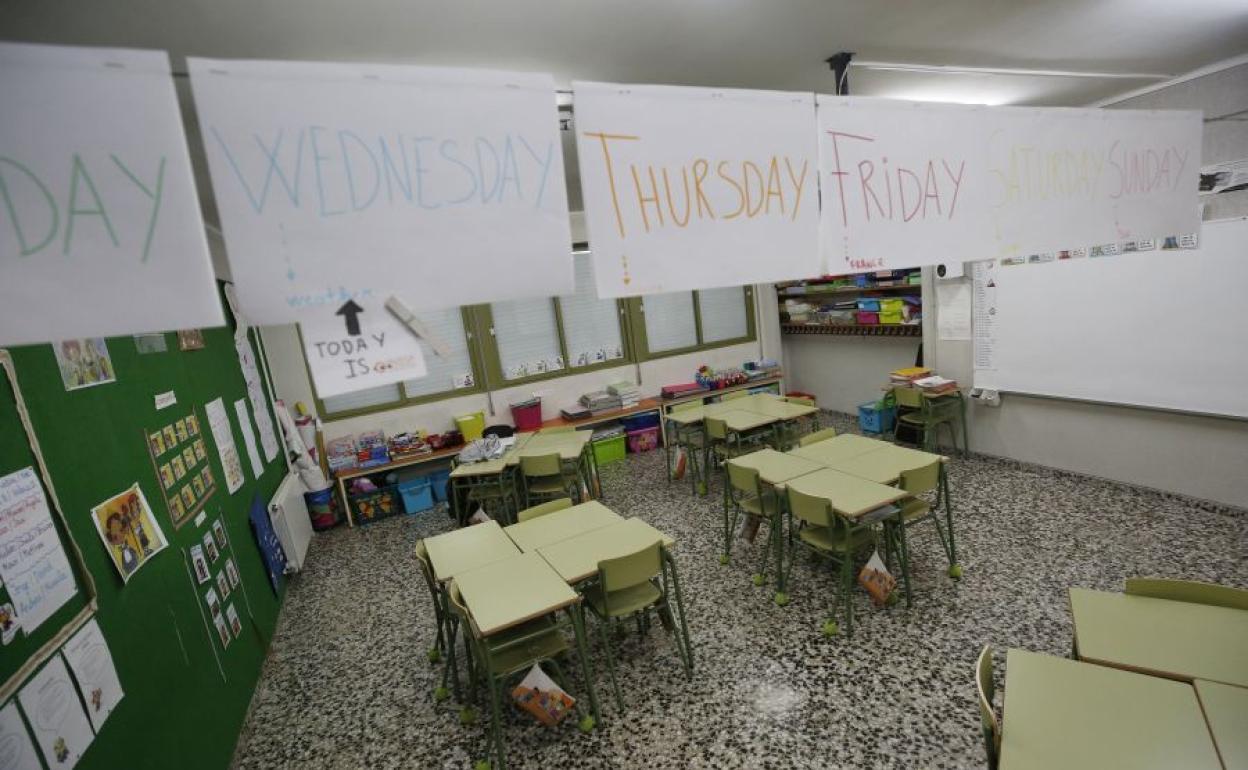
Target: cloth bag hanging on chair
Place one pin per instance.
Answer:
(538, 694)
(877, 580)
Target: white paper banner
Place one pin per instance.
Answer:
(100, 229)
(358, 181)
(694, 188)
(249, 437)
(908, 184)
(377, 351)
(17, 752)
(227, 450)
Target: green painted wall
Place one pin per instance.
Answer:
(177, 709)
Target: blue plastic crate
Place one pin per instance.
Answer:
(640, 421)
(873, 418)
(417, 495)
(439, 481)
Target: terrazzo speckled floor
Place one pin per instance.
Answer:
(346, 684)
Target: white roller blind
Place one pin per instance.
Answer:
(723, 313)
(591, 326)
(359, 399)
(669, 321)
(527, 337)
(446, 372)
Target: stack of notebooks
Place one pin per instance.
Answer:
(627, 392)
(908, 375)
(575, 412)
(936, 384)
(600, 401)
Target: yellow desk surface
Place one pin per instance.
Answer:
(775, 468)
(781, 410)
(849, 495)
(468, 548)
(568, 445)
(1179, 640)
(1226, 713)
(837, 448)
(561, 525)
(884, 464)
(740, 421)
(687, 416)
(512, 591)
(1060, 713)
(576, 559)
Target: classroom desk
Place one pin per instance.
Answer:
(848, 495)
(884, 464)
(837, 448)
(561, 525)
(1059, 713)
(487, 474)
(572, 446)
(468, 548)
(1177, 640)
(576, 558)
(513, 591)
(1226, 713)
(782, 410)
(775, 468)
(744, 421)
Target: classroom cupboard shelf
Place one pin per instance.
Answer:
(817, 291)
(855, 330)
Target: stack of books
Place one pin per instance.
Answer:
(908, 375)
(575, 412)
(600, 401)
(936, 384)
(627, 392)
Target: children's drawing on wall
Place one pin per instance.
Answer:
(129, 530)
(84, 362)
(201, 564)
(190, 339)
(8, 623)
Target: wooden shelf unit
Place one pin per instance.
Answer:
(855, 330)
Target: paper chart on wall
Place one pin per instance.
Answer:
(219, 425)
(92, 664)
(256, 394)
(33, 563)
(984, 319)
(17, 751)
(51, 704)
(249, 438)
(98, 198)
(953, 309)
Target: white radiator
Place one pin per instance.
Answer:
(289, 514)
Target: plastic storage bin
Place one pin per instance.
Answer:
(640, 421)
(471, 425)
(643, 439)
(609, 450)
(869, 304)
(417, 494)
(371, 506)
(868, 318)
(875, 418)
(439, 481)
(322, 508)
(527, 416)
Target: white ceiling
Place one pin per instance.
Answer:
(771, 44)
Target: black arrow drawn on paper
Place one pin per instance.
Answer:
(351, 312)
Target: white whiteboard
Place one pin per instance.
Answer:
(100, 230)
(1161, 328)
(694, 188)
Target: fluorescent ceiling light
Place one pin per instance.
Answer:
(949, 69)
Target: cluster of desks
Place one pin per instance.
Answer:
(511, 575)
(1158, 683)
(855, 474)
(747, 415)
(499, 478)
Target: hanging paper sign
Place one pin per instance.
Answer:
(340, 182)
(907, 184)
(691, 188)
(360, 349)
(100, 230)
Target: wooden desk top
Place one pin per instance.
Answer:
(577, 558)
(512, 591)
(1060, 713)
(468, 548)
(561, 525)
(1178, 640)
(740, 420)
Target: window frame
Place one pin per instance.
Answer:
(637, 323)
(493, 357)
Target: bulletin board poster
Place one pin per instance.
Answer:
(128, 530)
(907, 184)
(33, 563)
(99, 199)
(343, 183)
(689, 188)
(180, 460)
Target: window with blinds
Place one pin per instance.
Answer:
(670, 323)
(723, 313)
(362, 399)
(526, 334)
(591, 326)
(453, 369)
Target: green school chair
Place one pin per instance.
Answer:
(505, 655)
(814, 438)
(829, 534)
(990, 726)
(744, 493)
(558, 504)
(439, 616)
(544, 476)
(919, 413)
(1189, 591)
(631, 586)
(692, 440)
(914, 509)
